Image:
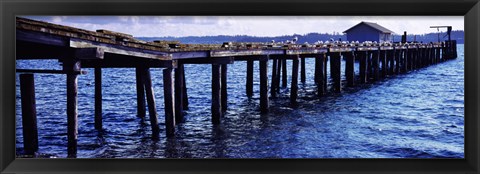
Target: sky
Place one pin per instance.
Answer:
(179, 26)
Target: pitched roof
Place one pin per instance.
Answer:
(373, 25)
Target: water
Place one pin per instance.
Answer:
(415, 115)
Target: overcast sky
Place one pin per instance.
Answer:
(150, 26)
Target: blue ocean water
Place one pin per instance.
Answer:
(415, 115)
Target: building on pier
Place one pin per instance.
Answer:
(368, 31)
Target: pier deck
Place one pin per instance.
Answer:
(77, 48)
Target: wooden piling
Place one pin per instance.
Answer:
(303, 75)
(70, 66)
(264, 85)
(29, 114)
(376, 64)
(398, 54)
(335, 71)
(277, 80)
(369, 65)
(383, 61)
(216, 94)
(152, 108)
(404, 60)
(284, 73)
(319, 77)
(437, 54)
(98, 98)
(362, 55)
(325, 80)
(249, 86)
(294, 83)
(168, 95)
(224, 87)
(273, 92)
(185, 96)
(179, 82)
(349, 68)
(391, 60)
(141, 108)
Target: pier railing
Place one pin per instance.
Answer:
(76, 49)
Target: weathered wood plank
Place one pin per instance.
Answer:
(118, 49)
(208, 60)
(48, 71)
(228, 53)
(89, 53)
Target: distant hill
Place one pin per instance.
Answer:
(310, 38)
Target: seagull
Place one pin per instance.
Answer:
(273, 41)
(295, 39)
(331, 39)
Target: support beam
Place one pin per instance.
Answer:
(72, 65)
(376, 65)
(141, 108)
(264, 85)
(405, 61)
(294, 83)
(29, 114)
(349, 68)
(179, 82)
(249, 86)
(152, 108)
(335, 64)
(284, 72)
(224, 87)
(277, 80)
(369, 65)
(216, 94)
(273, 90)
(98, 98)
(398, 62)
(185, 94)
(363, 66)
(391, 60)
(319, 76)
(168, 95)
(383, 61)
(325, 60)
(302, 71)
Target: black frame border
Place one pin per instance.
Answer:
(470, 9)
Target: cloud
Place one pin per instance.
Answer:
(248, 25)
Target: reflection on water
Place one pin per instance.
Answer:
(414, 115)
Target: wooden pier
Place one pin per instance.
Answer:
(77, 49)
